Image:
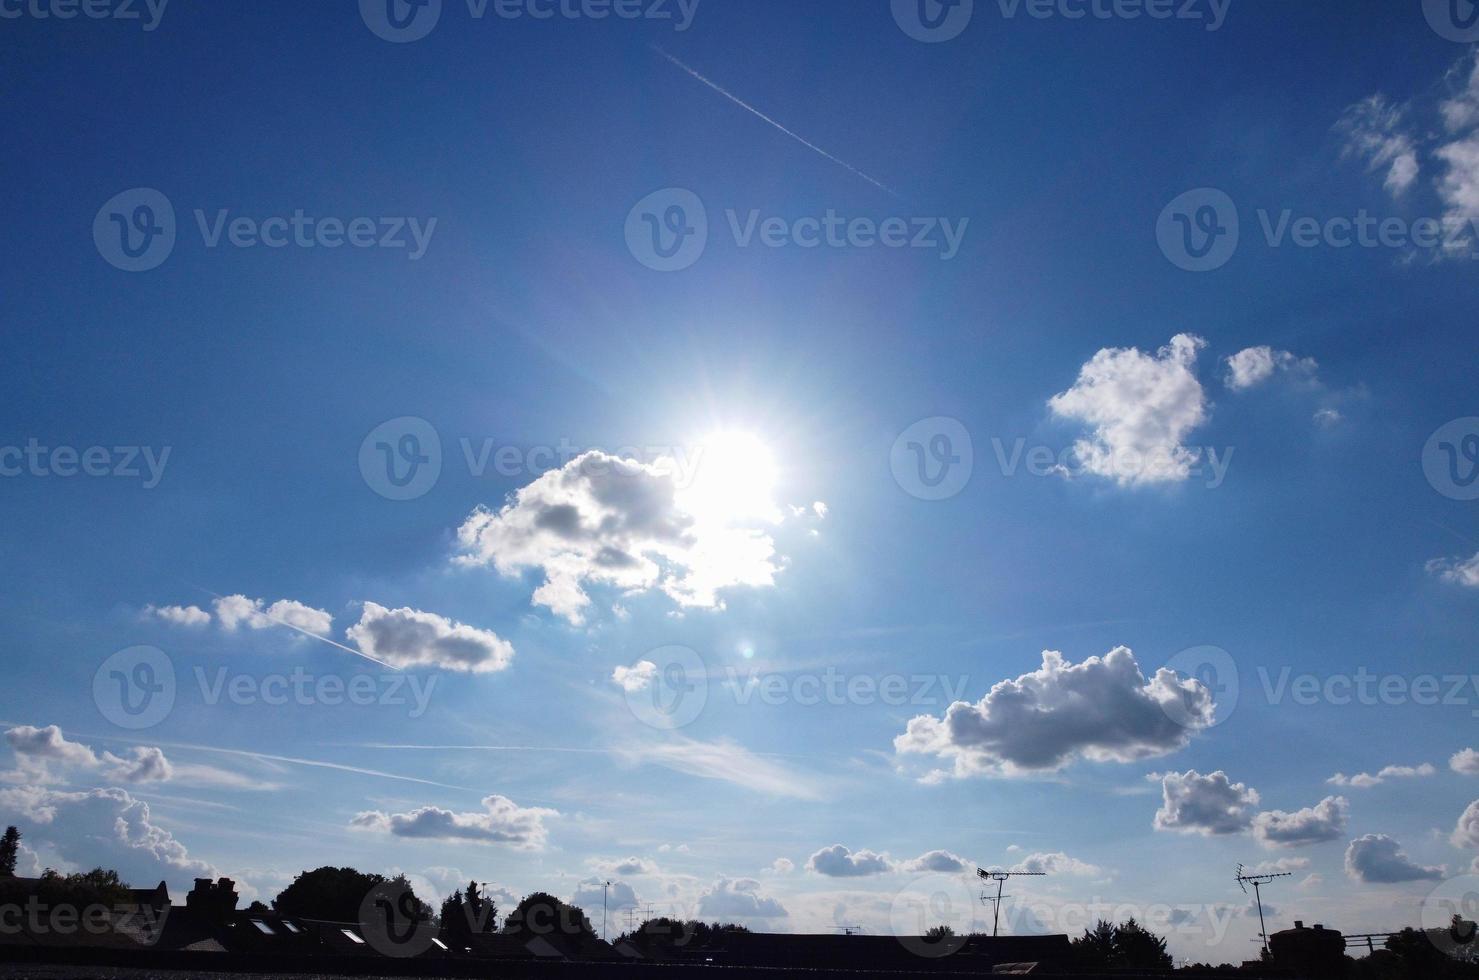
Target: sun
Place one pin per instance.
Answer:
(734, 479)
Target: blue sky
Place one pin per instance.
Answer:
(504, 172)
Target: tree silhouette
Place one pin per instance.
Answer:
(472, 915)
(10, 847)
(1126, 947)
(328, 893)
(541, 914)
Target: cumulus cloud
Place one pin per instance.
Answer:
(1378, 859)
(1457, 571)
(1057, 863)
(638, 677)
(839, 862)
(937, 862)
(1365, 780)
(179, 615)
(588, 895)
(1253, 366)
(623, 524)
(501, 821)
(1210, 805)
(781, 866)
(1280, 866)
(1465, 762)
(626, 867)
(738, 900)
(38, 748)
(411, 638)
(1103, 710)
(235, 611)
(1139, 409)
(1466, 834)
(103, 827)
(1376, 131)
(1324, 821)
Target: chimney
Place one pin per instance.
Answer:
(1299, 924)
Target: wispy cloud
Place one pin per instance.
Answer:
(760, 115)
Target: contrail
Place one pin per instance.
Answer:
(308, 633)
(756, 112)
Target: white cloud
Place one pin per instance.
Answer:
(411, 638)
(1328, 417)
(180, 615)
(1209, 805)
(618, 523)
(726, 761)
(501, 821)
(1280, 866)
(38, 748)
(937, 862)
(781, 866)
(1458, 571)
(1251, 367)
(628, 867)
(1466, 834)
(1365, 780)
(1324, 821)
(1465, 762)
(738, 900)
(1378, 859)
(588, 895)
(839, 862)
(1057, 863)
(1103, 709)
(1376, 131)
(1139, 407)
(637, 677)
(103, 827)
(235, 611)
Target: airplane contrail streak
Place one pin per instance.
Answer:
(756, 112)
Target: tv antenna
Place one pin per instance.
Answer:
(1000, 877)
(849, 930)
(1258, 881)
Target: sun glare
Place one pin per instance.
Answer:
(734, 479)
